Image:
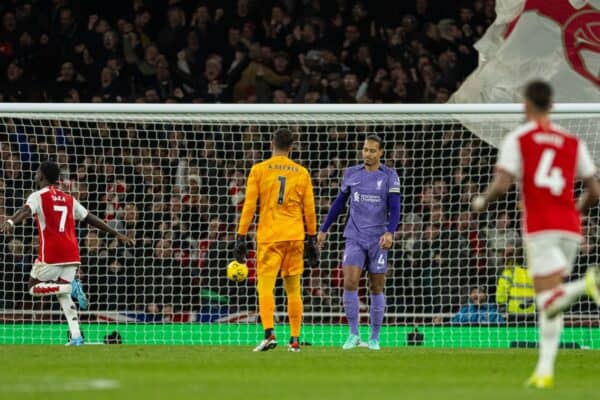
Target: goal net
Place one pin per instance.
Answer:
(172, 178)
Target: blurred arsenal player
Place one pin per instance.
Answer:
(53, 272)
(546, 161)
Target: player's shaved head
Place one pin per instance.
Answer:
(50, 171)
(539, 95)
(283, 139)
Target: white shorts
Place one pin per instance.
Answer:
(551, 253)
(55, 272)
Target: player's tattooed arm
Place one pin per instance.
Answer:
(93, 220)
(9, 224)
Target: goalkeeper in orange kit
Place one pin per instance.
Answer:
(284, 191)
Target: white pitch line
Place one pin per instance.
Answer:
(69, 386)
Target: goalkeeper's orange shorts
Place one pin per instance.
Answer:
(287, 256)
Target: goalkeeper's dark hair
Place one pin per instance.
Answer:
(283, 139)
(539, 94)
(50, 171)
(376, 138)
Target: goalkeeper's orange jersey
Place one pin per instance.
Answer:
(285, 194)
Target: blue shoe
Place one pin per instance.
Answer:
(78, 341)
(374, 344)
(352, 342)
(77, 293)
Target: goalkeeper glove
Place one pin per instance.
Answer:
(312, 251)
(240, 249)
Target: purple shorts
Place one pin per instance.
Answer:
(364, 255)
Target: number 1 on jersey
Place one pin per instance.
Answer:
(63, 217)
(547, 176)
(281, 180)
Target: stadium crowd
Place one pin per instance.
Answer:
(302, 51)
(177, 189)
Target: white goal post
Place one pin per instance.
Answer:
(172, 176)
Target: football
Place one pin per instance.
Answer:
(237, 271)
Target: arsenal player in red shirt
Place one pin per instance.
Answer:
(53, 272)
(546, 161)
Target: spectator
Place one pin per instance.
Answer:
(16, 89)
(478, 311)
(15, 271)
(316, 40)
(13, 177)
(349, 92)
(500, 237)
(318, 297)
(514, 290)
(172, 37)
(67, 83)
(115, 285)
(9, 36)
(93, 258)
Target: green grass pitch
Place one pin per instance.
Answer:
(235, 372)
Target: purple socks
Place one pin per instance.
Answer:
(351, 308)
(377, 310)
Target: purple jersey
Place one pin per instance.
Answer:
(368, 191)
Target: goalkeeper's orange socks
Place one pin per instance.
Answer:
(266, 300)
(295, 315)
(294, 300)
(266, 303)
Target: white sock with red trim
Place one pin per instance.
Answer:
(553, 302)
(49, 288)
(550, 330)
(70, 311)
(561, 297)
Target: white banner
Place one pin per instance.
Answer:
(554, 40)
(557, 40)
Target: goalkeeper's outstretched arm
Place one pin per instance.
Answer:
(250, 199)
(310, 215)
(310, 219)
(241, 248)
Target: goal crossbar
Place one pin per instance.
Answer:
(506, 108)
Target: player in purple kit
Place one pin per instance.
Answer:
(374, 193)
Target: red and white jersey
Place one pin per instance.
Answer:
(55, 213)
(546, 160)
